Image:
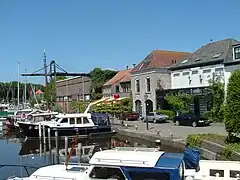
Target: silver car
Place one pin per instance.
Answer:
(156, 117)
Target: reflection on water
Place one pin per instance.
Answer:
(20, 151)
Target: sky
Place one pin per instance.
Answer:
(111, 34)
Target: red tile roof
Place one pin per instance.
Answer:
(160, 59)
(121, 76)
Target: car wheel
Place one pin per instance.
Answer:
(194, 124)
(154, 120)
(177, 123)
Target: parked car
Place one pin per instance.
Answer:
(156, 117)
(190, 119)
(130, 116)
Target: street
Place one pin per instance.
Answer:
(169, 129)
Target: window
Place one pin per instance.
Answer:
(79, 120)
(85, 120)
(106, 173)
(218, 69)
(217, 55)
(117, 88)
(126, 87)
(185, 73)
(184, 61)
(137, 85)
(72, 120)
(176, 74)
(150, 114)
(138, 175)
(237, 52)
(148, 84)
(64, 120)
(195, 72)
(198, 59)
(214, 172)
(206, 70)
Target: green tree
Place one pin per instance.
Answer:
(79, 106)
(232, 106)
(179, 103)
(52, 88)
(99, 77)
(216, 89)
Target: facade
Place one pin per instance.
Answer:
(119, 84)
(73, 89)
(191, 75)
(152, 75)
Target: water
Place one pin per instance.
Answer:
(19, 151)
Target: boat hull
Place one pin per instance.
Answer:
(32, 130)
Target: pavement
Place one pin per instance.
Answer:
(169, 129)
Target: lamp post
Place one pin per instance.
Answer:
(146, 105)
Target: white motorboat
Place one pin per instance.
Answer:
(69, 125)
(128, 163)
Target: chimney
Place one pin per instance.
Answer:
(172, 61)
(134, 65)
(127, 67)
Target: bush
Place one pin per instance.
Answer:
(170, 113)
(232, 107)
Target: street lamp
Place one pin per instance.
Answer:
(146, 105)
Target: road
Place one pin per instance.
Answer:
(169, 129)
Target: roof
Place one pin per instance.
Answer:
(39, 91)
(211, 53)
(126, 158)
(121, 76)
(160, 59)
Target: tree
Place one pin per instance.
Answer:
(179, 103)
(52, 88)
(79, 106)
(99, 77)
(216, 89)
(232, 106)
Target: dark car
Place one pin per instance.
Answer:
(189, 119)
(130, 116)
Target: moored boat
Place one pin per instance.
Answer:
(68, 125)
(141, 164)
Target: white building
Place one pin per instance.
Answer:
(192, 75)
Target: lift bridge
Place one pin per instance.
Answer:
(52, 70)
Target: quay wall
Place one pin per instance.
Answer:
(209, 150)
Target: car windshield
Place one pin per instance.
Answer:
(158, 113)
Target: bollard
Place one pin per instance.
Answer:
(49, 146)
(44, 135)
(79, 149)
(39, 130)
(57, 147)
(126, 125)
(66, 147)
(158, 132)
(136, 126)
(158, 144)
(171, 135)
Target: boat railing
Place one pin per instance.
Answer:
(141, 149)
(26, 167)
(52, 177)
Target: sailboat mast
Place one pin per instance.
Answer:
(18, 82)
(46, 79)
(25, 89)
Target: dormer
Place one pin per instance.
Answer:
(236, 52)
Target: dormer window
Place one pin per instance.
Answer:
(217, 55)
(184, 61)
(236, 52)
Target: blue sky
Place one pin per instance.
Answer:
(81, 35)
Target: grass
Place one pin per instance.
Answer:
(196, 139)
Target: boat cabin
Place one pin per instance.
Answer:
(74, 120)
(123, 163)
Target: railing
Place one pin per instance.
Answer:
(52, 177)
(22, 166)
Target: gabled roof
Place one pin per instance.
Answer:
(211, 53)
(160, 59)
(121, 76)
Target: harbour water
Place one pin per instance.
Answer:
(15, 150)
